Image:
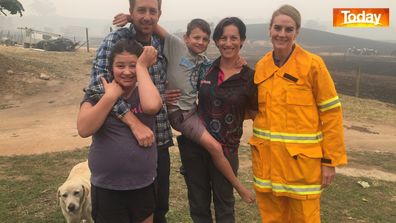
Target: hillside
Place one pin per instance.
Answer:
(326, 41)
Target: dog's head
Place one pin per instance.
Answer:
(72, 196)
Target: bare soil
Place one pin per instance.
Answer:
(39, 116)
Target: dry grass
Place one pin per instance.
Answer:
(367, 110)
(28, 187)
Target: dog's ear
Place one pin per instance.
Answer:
(84, 195)
(58, 197)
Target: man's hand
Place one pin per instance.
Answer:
(172, 96)
(328, 174)
(121, 19)
(112, 89)
(143, 134)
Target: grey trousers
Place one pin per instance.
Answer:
(204, 181)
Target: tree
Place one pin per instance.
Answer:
(13, 6)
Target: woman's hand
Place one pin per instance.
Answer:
(121, 19)
(328, 174)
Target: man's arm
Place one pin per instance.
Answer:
(143, 134)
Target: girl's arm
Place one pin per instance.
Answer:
(150, 98)
(121, 19)
(91, 117)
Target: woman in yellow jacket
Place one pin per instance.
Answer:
(298, 135)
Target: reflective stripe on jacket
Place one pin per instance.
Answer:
(299, 118)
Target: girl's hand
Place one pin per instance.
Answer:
(121, 19)
(112, 89)
(148, 57)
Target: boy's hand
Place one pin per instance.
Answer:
(240, 62)
(172, 96)
(121, 19)
(148, 57)
(112, 89)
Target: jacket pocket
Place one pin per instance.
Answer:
(299, 96)
(311, 150)
(302, 114)
(303, 170)
(257, 161)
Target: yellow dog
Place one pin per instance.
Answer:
(74, 195)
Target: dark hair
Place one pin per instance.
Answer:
(198, 23)
(218, 32)
(289, 11)
(125, 45)
(132, 4)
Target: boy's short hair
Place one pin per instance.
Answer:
(132, 4)
(125, 45)
(198, 23)
(218, 32)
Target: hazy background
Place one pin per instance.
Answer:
(70, 17)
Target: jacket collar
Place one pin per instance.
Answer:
(296, 67)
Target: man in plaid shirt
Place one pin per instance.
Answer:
(145, 15)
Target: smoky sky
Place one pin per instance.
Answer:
(42, 7)
(316, 14)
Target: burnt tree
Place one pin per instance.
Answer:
(12, 6)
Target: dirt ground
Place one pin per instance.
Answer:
(39, 116)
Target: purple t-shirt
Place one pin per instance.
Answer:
(116, 160)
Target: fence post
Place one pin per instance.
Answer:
(358, 77)
(86, 31)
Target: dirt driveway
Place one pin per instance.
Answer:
(37, 115)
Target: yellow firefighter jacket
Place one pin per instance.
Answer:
(298, 126)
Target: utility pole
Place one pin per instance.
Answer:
(86, 31)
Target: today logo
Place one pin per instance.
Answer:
(361, 17)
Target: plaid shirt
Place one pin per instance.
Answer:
(157, 72)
